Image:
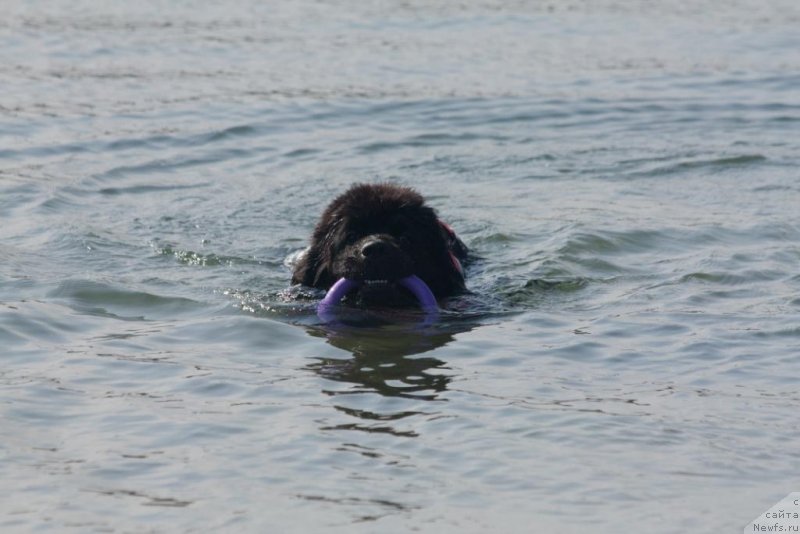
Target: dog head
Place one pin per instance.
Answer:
(376, 236)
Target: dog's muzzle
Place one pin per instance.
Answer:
(413, 283)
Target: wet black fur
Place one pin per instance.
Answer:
(381, 232)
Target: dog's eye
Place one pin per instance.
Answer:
(398, 228)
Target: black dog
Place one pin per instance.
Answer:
(377, 237)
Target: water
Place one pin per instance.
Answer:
(625, 173)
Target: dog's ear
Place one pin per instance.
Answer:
(300, 274)
(315, 267)
(312, 269)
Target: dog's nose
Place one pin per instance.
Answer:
(374, 248)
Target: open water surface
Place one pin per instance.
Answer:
(626, 174)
